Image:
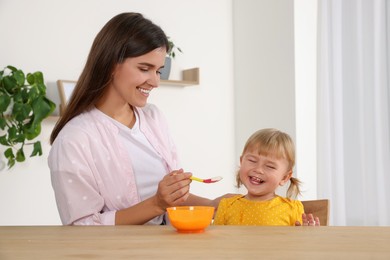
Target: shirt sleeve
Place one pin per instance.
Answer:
(221, 211)
(106, 218)
(76, 189)
(299, 210)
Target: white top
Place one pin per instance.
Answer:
(148, 166)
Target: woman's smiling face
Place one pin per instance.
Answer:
(134, 78)
(262, 175)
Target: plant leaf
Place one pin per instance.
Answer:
(4, 140)
(24, 95)
(20, 138)
(35, 78)
(32, 130)
(12, 68)
(42, 108)
(19, 77)
(30, 79)
(37, 149)
(10, 84)
(20, 155)
(21, 111)
(32, 94)
(3, 123)
(12, 133)
(42, 88)
(5, 100)
(9, 153)
(11, 162)
(27, 96)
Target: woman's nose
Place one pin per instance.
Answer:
(154, 80)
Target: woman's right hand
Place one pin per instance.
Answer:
(173, 189)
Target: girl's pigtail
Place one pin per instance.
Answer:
(293, 190)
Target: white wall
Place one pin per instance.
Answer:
(209, 122)
(264, 68)
(305, 32)
(55, 36)
(26, 196)
(275, 77)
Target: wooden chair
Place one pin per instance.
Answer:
(319, 208)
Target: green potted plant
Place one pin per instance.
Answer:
(23, 106)
(172, 48)
(171, 54)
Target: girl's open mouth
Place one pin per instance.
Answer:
(256, 180)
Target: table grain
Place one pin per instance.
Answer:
(217, 242)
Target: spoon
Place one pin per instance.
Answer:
(211, 180)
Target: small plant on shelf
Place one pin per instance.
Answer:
(23, 106)
(171, 54)
(172, 48)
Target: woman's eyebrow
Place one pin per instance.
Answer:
(147, 64)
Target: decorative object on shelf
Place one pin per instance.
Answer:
(171, 54)
(190, 78)
(23, 106)
(65, 89)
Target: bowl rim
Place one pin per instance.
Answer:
(190, 207)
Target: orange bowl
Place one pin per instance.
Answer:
(190, 219)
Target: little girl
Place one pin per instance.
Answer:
(267, 162)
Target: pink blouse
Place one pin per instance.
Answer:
(91, 171)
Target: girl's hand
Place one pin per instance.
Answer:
(173, 189)
(308, 220)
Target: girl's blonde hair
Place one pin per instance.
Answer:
(272, 141)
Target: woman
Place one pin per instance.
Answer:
(112, 160)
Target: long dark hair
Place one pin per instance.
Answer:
(125, 35)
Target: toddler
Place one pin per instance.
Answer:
(266, 163)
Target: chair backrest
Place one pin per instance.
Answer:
(319, 208)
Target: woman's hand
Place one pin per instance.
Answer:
(173, 189)
(308, 220)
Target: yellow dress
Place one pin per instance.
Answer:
(278, 211)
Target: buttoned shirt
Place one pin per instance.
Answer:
(91, 170)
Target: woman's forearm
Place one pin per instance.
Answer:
(140, 213)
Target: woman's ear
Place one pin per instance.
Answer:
(115, 70)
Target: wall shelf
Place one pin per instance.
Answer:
(190, 78)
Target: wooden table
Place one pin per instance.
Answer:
(217, 242)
